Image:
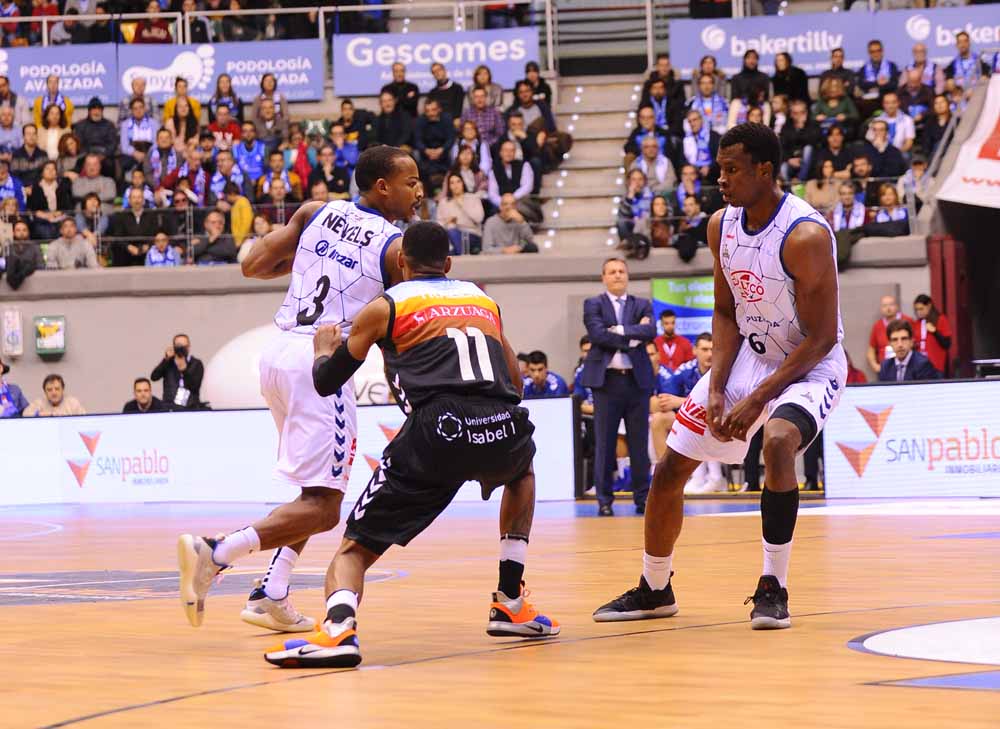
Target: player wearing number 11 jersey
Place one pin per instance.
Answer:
(341, 255)
(777, 364)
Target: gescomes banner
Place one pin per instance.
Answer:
(297, 65)
(362, 64)
(975, 178)
(691, 299)
(809, 37)
(82, 75)
(215, 456)
(922, 440)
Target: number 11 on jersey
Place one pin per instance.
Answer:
(461, 340)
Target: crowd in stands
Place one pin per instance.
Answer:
(186, 182)
(858, 150)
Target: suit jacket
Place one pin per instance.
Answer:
(598, 315)
(919, 368)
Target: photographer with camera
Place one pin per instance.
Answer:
(181, 374)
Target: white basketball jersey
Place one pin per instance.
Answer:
(339, 267)
(762, 288)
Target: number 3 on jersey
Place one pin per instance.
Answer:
(757, 345)
(461, 340)
(304, 318)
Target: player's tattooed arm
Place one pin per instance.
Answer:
(272, 256)
(725, 335)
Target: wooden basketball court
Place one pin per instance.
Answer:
(94, 634)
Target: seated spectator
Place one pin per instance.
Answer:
(476, 181)
(56, 402)
(461, 212)
(789, 79)
(469, 137)
(10, 134)
(674, 348)
(214, 246)
(709, 64)
(889, 208)
(834, 107)
(318, 191)
(695, 221)
(900, 126)
(91, 221)
(225, 95)
(183, 124)
(271, 129)
(635, 204)
(182, 375)
(749, 82)
(10, 33)
(800, 138)
(70, 250)
(887, 159)
(878, 341)
(848, 213)
(659, 171)
(779, 114)
(663, 113)
(102, 30)
(200, 29)
(645, 127)
(162, 254)
(690, 184)
(24, 254)
(937, 122)
(12, 400)
(54, 126)
(837, 70)
(435, 134)
(512, 176)
(658, 227)
(393, 126)
(930, 74)
(277, 204)
(482, 78)
(133, 229)
(487, 118)
(966, 68)
(49, 200)
(878, 75)
(51, 96)
(673, 91)
(296, 152)
(406, 94)
(269, 92)
(16, 102)
(138, 86)
(162, 159)
(525, 146)
(821, 191)
(933, 332)
(261, 227)
(27, 160)
(700, 147)
(540, 89)
(193, 171)
(235, 203)
(359, 124)
(336, 177)
(906, 365)
(142, 389)
(507, 232)
(96, 134)
(867, 186)
(540, 123)
(69, 30)
(915, 182)
(450, 95)
(237, 28)
(276, 169)
(707, 101)
(835, 151)
(540, 382)
(756, 110)
(70, 157)
(137, 134)
(224, 128)
(137, 181)
(226, 173)
(155, 29)
(182, 219)
(250, 154)
(11, 187)
(915, 98)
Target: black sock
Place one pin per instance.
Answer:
(778, 510)
(511, 573)
(339, 613)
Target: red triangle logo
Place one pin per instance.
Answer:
(858, 455)
(388, 431)
(90, 440)
(876, 419)
(373, 462)
(79, 467)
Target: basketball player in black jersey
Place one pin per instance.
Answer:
(455, 375)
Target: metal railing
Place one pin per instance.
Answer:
(46, 20)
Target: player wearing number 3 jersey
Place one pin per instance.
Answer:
(341, 255)
(777, 363)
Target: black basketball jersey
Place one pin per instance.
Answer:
(444, 337)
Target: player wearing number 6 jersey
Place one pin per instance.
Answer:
(457, 378)
(777, 363)
(341, 256)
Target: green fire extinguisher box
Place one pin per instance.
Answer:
(50, 336)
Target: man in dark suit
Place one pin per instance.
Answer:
(619, 372)
(907, 365)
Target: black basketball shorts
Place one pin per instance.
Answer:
(442, 444)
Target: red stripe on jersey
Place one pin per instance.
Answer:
(408, 322)
(684, 420)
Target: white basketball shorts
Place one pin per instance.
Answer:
(317, 435)
(817, 394)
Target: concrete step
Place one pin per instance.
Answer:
(578, 240)
(428, 20)
(571, 209)
(549, 191)
(582, 180)
(605, 122)
(607, 96)
(597, 151)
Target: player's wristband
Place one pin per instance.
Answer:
(331, 373)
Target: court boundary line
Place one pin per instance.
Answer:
(521, 645)
(51, 528)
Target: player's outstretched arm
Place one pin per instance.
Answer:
(336, 361)
(725, 334)
(272, 255)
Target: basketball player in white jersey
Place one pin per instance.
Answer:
(777, 363)
(341, 256)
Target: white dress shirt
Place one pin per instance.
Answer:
(620, 360)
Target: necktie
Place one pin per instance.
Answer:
(900, 371)
(620, 309)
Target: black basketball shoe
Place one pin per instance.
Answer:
(639, 603)
(770, 605)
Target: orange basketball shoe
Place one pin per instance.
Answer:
(518, 618)
(333, 645)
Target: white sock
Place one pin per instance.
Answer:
(343, 597)
(235, 546)
(279, 572)
(776, 557)
(656, 570)
(699, 473)
(622, 465)
(515, 550)
(714, 470)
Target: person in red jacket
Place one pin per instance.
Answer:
(933, 332)
(674, 349)
(878, 342)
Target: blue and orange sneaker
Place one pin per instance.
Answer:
(333, 645)
(518, 618)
